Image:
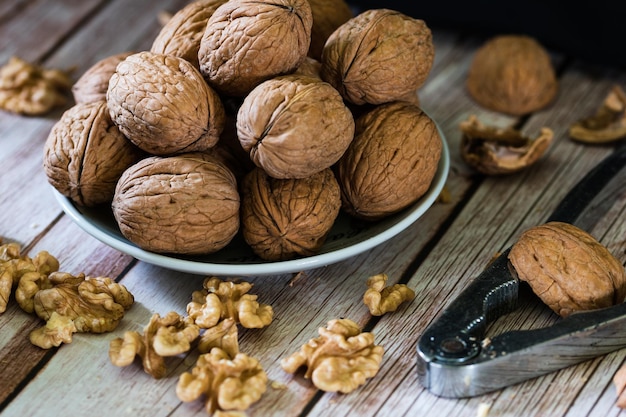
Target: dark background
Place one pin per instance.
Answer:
(594, 32)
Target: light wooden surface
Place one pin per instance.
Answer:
(437, 256)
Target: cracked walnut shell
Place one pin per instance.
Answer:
(378, 56)
(568, 269)
(185, 204)
(607, 125)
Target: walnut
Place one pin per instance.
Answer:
(93, 84)
(229, 151)
(285, 218)
(163, 105)
(607, 125)
(220, 300)
(228, 383)
(310, 67)
(85, 154)
(93, 305)
(341, 359)
(186, 204)
(246, 42)
(619, 380)
(294, 126)
(31, 89)
(380, 299)
(328, 15)
(223, 335)
(568, 269)
(162, 337)
(391, 162)
(180, 36)
(378, 56)
(512, 74)
(498, 151)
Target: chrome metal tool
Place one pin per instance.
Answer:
(455, 360)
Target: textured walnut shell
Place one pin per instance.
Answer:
(294, 126)
(512, 74)
(182, 204)
(247, 42)
(285, 218)
(93, 84)
(181, 35)
(328, 15)
(378, 56)
(568, 268)
(85, 154)
(163, 105)
(391, 162)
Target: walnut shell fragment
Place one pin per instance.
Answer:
(163, 105)
(185, 204)
(285, 218)
(85, 154)
(294, 126)
(247, 42)
(94, 83)
(378, 56)
(568, 269)
(512, 74)
(498, 151)
(391, 162)
(607, 125)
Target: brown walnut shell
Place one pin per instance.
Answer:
(391, 162)
(286, 218)
(294, 126)
(93, 84)
(568, 269)
(85, 154)
(512, 74)
(163, 105)
(328, 15)
(378, 56)
(182, 204)
(247, 42)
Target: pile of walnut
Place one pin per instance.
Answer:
(69, 304)
(262, 118)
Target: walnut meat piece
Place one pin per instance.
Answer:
(185, 204)
(512, 74)
(328, 15)
(247, 42)
(495, 151)
(85, 154)
(163, 105)
(391, 162)
(285, 218)
(607, 125)
(378, 56)
(381, 299)
(294, 126)
(568, 268)
(94, 83)
(340, 360)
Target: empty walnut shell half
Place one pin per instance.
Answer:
(247, 42)
(498, 151)
(391, 162)
(85, 154)
(94, 83)
(378, 56)
(512, 74)
(607, 125)
(294, 126)
(183, 204)
(163, 105)
(286, 218)
(568, 269)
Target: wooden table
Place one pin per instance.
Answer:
(436, 256)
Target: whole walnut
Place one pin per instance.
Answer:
(163, 105)
(378, 56)
(85, 154)
(328, 15)
(391, 162)
(568, 269)
(247, 42)
(512, 74)
(285, 218)
(182, 204)
(94, 83)
(294, 126)
(181, 35)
